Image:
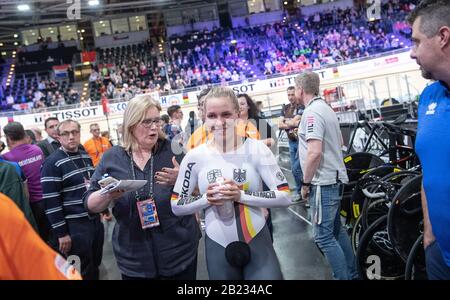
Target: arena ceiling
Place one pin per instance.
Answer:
(55, 12)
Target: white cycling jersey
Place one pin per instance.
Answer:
(248, 165)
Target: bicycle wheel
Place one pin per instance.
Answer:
(357, 197)
(358, 164)
(415, 264)
(405, 219)
(389, 184)
(374, 264)
(357, 232)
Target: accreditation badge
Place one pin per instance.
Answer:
(147, 213)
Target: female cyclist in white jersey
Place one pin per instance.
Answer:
(229, 171)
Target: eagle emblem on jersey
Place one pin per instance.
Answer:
(213, 175)
(280, 176)
(239, 175)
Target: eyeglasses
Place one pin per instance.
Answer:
(68, 133)
(147, 123)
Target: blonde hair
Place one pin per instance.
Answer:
(222, 92)
(133, 115)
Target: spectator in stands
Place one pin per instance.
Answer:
(59, 99)
(94, 75)
(74, 97)
(97, 145)
(71, 74)
(9, 100)
(51, 143)
(41, 86)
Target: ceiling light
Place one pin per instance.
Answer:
(23, 7)
(16, 43)
(93, 2)
(82, 30)
(1, 44)
(81, 38)
(16, 35)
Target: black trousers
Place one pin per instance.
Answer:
(87, 243)
(41, 220)
(189, 274)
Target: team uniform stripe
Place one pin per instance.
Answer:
(243, 222)
(249, 224)
(283, 187)
(174, 196)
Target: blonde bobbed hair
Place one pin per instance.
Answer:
(134, 113)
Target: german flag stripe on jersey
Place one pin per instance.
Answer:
(245, 229)
(174, 196)
(283, 187)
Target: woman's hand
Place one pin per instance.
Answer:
(115, 195)
(231, 191)
(168, 176)
(211, 194)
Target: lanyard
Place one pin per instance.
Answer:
(77, 167)
(136, 194)
(315, 99)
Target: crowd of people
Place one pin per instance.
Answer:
(40, 94)
(292, 45)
